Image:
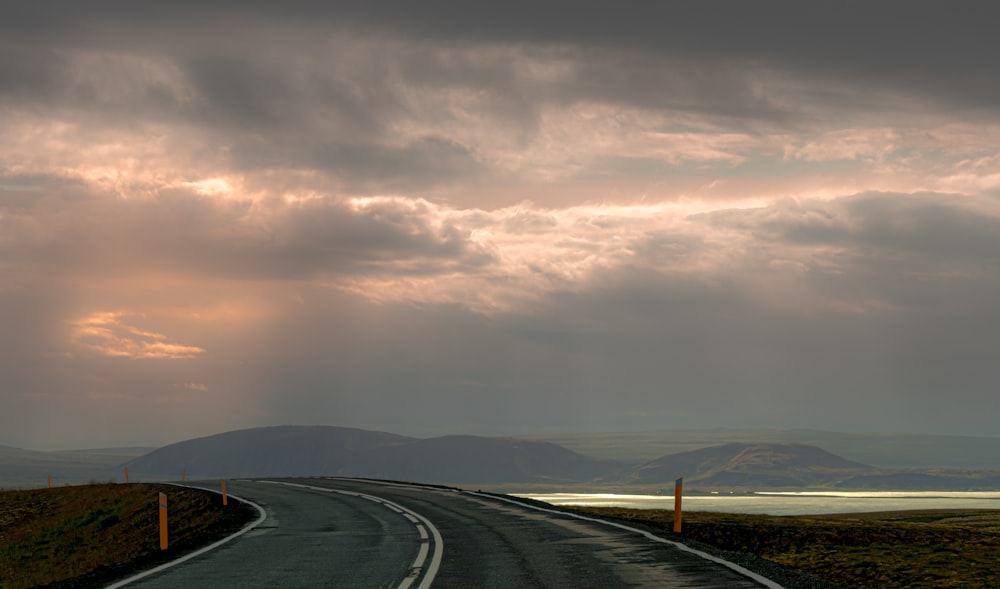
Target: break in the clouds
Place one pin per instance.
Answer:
(525, 217)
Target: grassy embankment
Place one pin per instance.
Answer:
(912, 549)
(84, 535)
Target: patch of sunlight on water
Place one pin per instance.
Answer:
(785, 503)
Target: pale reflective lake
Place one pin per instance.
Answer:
(800, 503)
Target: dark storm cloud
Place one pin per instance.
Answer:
(914, 44)
(932, 228)
(254, 212)
(402, 99)
(702, 48)
(365, 167)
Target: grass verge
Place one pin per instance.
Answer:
(911, 549)
(89, 535)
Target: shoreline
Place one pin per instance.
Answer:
(780, 503)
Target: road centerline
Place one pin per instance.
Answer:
(418, 564)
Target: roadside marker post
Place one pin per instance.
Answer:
(163, 521)
(50, 481)
(126, 474)
(225, 500)
(678, 491)
(184, 474)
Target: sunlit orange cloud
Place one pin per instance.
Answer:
(105, 333)
(127, 163)
(224, 310)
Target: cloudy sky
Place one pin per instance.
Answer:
(453, 217)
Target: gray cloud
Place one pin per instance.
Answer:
(515, 217)
(932, 231)
(50, 231)
(644, 342)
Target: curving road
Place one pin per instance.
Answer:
(351, 533)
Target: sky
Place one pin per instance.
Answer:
(499, 219)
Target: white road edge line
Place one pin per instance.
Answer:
(731, 565)
(411, 515)
(200, 551)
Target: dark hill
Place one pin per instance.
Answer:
(474, 459)
(327, 450)
(750, 465)
(268, 451)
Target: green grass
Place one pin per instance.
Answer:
(911, 549)
(87, 534)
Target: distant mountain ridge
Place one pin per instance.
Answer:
(882, 450)
(268, 451)
(20, 468)
(339, 451)
(459, 459)
(476, 460)
(738, 464)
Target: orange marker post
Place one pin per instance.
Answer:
(50, 481)
(225, 500)
(126, 474)
(184, 474)
(678, 489)
(163, 521)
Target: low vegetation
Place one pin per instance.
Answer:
(84, 535)
(911, 549)
(87, 535)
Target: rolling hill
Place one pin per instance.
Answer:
(269, 451)
(798, 466)
(882, 450)
(751, 465)
(328, 450)
(475, 460)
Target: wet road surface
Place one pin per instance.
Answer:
(314, 537)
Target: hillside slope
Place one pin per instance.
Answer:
(882, 450)
(269, 451)
(735, 464)
(338, 451)
(474, 459)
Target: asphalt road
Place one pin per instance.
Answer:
(315, 535)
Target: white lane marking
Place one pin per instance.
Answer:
(411, 515)
(199, 552)
(391, 484)
(423, 532)
(421, 557)
(731, 565)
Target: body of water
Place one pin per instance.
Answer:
(786, 503)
